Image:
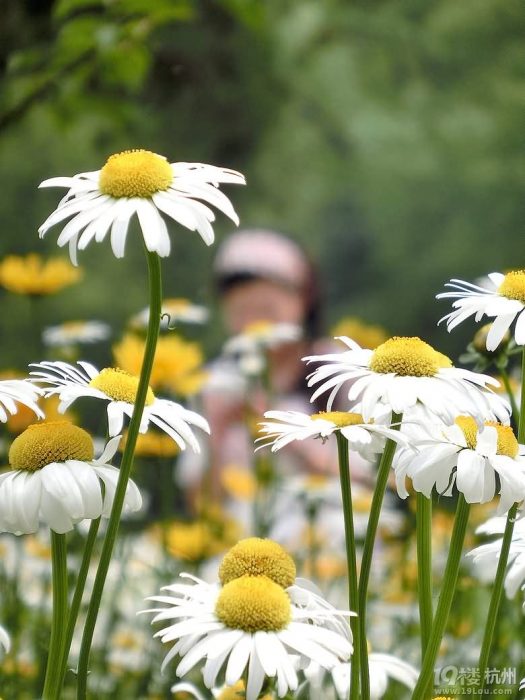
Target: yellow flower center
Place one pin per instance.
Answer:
(55, 441)
(507, 443)
(119, 385)
(408, 357)
(257, 557)
(253, 604)
(469, 428)
(513, 286)
(135, 173)
(340, 418)
(258, 328)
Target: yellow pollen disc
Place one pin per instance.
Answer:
(408, 357)
(53, 441)
(507, 443)
(340, 418)
(469, 428)
(119, 385)
(258, 328)
(135, 174)
(513, 286)
(257, 557)
(253, 604)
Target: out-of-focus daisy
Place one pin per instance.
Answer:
(119, 389)
(24, 417)
(250, 624)
(402, 373)
(367, 335)
(75, 333)
(383, 667)
(479, 461)
(146, 184)
(5, 642)
(366, 437)
(13, 391)
(177, 366)
(34, 276)
(503, 299)
(486, 556)
(152, 444)
(173, 312)
(249, 348)
(54, 478)
(201, 539)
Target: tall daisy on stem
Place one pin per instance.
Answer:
(503, 300)
(144, 184)
(401, 374)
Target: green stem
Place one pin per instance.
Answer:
(422, 689)
(497, 590)
(75, 603)
(496, 596)
(510, 393)
(366, 562)
(58, 628)
(351, 559)
(155, 302)
(424, 566)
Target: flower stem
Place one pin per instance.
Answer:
(510, 393)
(351, 558)
(422, 689)
(497, 590)
(75, 604)
(155, 303)
(58, 628)
(366, 562)
(424, 566)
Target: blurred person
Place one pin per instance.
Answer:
(270, 302)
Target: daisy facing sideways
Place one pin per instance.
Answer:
(479, 461)
(118, 389)
(55, 479)
(486, 556)
(144, 184)
(367, 438)
(403, 373)
(256, 624)
(503, 299)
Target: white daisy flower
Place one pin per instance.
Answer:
(76, 332)
(250, 624)
(367, 438)
(143, 183)
(55, 479)
(118, 388)
(501, 298)
(13, 391)
(262, 335)
(173, 311)
(479, 461)
(402, 373)
(382, 667)
(5, 641)
(486, 556)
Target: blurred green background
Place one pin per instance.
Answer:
(387, 136)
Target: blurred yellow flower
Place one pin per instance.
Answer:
(203, 538)
(34, 276)
(177, 365)
(236, 692)
(366, 335)
(238, 482)
(152, 444)
(24, 417)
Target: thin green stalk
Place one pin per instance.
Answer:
(58, 628)
(510, 393)
(351, 559)
(155, 302)
(366, 562)
(75, 603)
(422, 689)
(424, 566)
(496, 596)
(497, 590)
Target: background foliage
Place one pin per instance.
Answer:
(386, 136)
